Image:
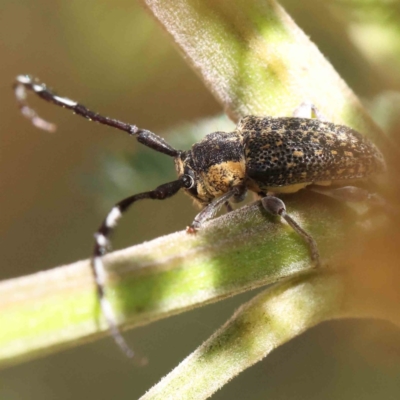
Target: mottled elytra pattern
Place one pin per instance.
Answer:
(287, 151)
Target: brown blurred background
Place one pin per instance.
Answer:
(56, 188)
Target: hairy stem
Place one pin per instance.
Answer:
(51, 310)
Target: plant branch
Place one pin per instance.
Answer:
(257, 61)
(258, 327)
(51, 310)
(269, 320)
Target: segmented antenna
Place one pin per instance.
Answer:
(149, 139)
(24, 82)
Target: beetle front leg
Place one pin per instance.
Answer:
(276, 206)
(211, 209)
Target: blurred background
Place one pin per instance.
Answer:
(56, 188)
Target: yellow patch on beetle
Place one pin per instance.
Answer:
(202, 192)
(179, 167)
(219, 178)
(348, 154)
(298, 153)
(334, 152)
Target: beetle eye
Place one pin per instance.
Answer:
(188, 181)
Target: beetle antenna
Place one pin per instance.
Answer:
(102, 239)
(22, 85)
(26, 82)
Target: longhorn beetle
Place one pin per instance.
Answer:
(265, 155)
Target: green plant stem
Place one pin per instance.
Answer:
(258, 327)
(269, 320)
(257, 61)
(51, 310)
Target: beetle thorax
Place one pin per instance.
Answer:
(216, 164)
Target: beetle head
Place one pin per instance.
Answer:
(213, 166)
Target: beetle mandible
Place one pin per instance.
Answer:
(265, 155)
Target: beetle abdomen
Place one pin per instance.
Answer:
(288, 151)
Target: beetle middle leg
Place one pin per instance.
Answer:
(276, 206)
